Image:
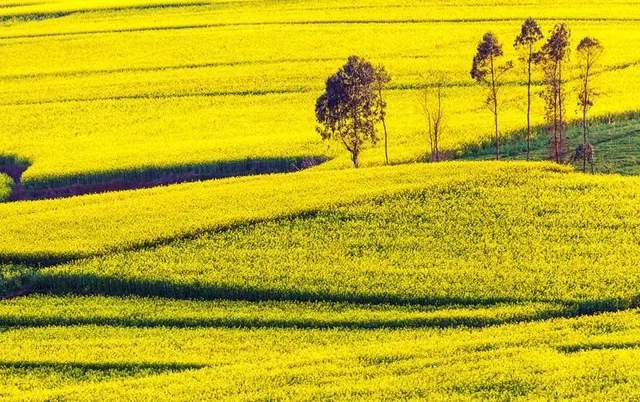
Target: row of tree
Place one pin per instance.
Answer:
(352, 105)
(552, 59)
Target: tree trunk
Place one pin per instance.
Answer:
(554, 95)
(431, 146)
(561, 137)
(529, 101)
(585, 100)
(495, 108)
(355, 154)
(384, 126)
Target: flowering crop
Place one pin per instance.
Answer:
(561, 358)
(89, 108)
(448, 281)
(96, 224)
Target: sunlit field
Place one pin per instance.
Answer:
(486, 269)
(126, 87)
(308, 279)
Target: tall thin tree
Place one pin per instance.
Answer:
(589, 51)
(486, 69)
(382, 79)
(551, 58)
(530, 35)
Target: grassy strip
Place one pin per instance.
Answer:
(616, 140)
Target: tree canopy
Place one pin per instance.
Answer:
(352, 106)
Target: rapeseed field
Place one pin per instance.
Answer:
(127, 87)
(466, 279)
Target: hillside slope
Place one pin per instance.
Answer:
(117, 100)
(400, 277)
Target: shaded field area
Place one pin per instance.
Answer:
(616, 141)
(59, 187)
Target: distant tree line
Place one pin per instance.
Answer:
(352, 106)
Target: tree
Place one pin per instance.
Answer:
(551, 58)
(589, 51)
(430, 99)
(382, 79)
(487, 70)
(530, 35)
(352, 105)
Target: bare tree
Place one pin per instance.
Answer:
(431, 97)
(351, 106)
(530, 35)
(487, 70)
(551, 58)
(589, 51)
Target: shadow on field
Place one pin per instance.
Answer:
(31, 280)
(36, 261)
(145, 177)
(58, 283)
(139, 321)
(93, 284)
(585, 347)
(81, 369)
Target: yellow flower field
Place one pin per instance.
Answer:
(130, 87)
(461, 280)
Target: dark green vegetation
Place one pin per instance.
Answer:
(616, 141)
(144, 177)
(6, 185)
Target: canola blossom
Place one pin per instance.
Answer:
(309, 280)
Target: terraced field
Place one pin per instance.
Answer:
(461, 280)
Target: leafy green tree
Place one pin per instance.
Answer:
(530, 35)
(589, 51)
(487, 70)
(352, 106)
